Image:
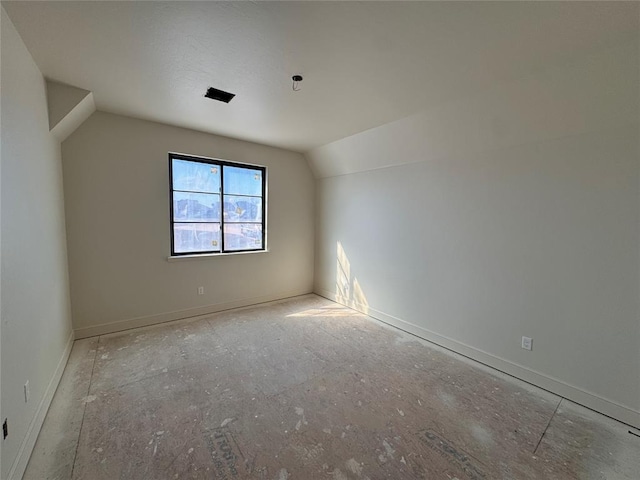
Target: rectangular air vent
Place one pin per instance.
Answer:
(219, 95)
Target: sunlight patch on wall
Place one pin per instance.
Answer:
(348, 289)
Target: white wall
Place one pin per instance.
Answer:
(510, 213)
(36, 319)
(117, 208)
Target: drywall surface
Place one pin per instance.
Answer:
(117, 205)
(69, 107)
(61, 100)
(36, 318)
(510, 214)
(2, 19)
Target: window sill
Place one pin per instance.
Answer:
(177, 258)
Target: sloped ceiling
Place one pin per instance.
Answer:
(364, 63)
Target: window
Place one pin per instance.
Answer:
(216, 206)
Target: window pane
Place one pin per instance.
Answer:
(242, 209)
(195, 176)
(190, 207)
(196, 237)
(242, 181)
(242, 236)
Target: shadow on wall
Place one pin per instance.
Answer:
(348, 290)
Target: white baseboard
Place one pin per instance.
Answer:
(146, 321)
(24, 453)
(587, 399)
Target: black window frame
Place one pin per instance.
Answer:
(221, 164)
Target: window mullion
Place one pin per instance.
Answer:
(222, 250)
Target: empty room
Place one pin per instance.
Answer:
(320, 240)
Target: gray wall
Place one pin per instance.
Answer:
(36, 320)
(510, 213)
(117, 208)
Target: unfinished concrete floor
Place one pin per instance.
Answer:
(306, 389)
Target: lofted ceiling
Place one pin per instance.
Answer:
(364, 63)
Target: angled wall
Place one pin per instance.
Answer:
(69, 107)
(507, 214)
(36, 318)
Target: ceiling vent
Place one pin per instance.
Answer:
(215, 94)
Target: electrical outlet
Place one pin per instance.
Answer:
(200, 290)
(527, 343)
(27, 392)
(5, 429)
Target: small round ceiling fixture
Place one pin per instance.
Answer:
(296, 82)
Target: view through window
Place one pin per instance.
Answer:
(216, 206)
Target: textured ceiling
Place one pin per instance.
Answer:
(364, 63)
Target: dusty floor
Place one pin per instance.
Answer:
(306, 389)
